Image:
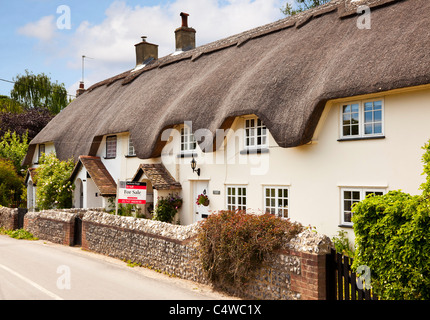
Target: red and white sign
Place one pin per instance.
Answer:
(132, 192)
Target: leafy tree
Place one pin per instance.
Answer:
(11, 185)
(28, 122)
(54, 189)
(39, 92)
(14, 148)
(392, 239)
(9, 105)
(301, 5)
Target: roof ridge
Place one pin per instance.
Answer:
(345, 8)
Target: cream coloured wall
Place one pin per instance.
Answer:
(315, 173)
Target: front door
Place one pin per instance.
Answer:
(200, 211)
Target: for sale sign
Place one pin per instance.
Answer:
(132, 192)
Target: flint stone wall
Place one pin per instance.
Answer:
(297, 271)
(8, 218)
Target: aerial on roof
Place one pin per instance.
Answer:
(283, 72)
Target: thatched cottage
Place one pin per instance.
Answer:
(302, 117)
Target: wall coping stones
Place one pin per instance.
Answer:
(157, 228)
(310, 242)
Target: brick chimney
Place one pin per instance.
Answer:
(81, 89)
(185, 36)
(145, 51)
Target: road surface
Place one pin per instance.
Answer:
(39, 270)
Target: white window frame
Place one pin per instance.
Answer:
(361, 119)
(131, 150)
(188, 141)
(274, 205)
(110, 154)
(362, 194)
(239, 199)
(254, 130)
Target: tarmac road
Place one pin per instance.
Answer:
(39, 270)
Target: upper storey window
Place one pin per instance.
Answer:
(188, 141)
(111, 143)
(362, 119)
(255, 133)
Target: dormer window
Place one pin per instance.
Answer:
(111, 143)
(188, 141)
(255, 133)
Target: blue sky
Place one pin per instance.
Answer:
(35, 35)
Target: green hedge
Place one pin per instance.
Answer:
(392, 237)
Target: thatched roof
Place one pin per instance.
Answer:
(283, 72)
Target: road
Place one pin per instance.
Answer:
(38, 270)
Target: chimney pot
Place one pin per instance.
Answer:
(81, 89)
(184, 19)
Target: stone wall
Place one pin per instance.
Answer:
(52, 225)
(8, 218)
(297, 271)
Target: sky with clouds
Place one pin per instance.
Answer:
(51, 36)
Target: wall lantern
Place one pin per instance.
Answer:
(193, 166)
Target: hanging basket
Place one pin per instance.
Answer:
(202, 200)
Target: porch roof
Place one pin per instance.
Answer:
(98, 172)
(158, 175)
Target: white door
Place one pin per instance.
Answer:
(200, 211)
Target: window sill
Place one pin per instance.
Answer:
(130, 156)
(350, 226)
(109, 158)
(362, 138)
(186, 155)
(255, 150)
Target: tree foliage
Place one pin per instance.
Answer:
(393, 240)
(11, 184)
(29, 122)
(54, 189)
(14, 148)
(9, 105)
(301, 5)
(39, 92)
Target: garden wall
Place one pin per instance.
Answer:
(297, 271)
(8, 218)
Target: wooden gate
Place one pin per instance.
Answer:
(77, 238)
(342, 281)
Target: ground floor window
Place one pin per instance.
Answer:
(236, 198)
(276, 201)
(351, 196)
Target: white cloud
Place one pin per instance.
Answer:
(43, 29)
(111, 42)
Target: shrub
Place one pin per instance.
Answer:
(11, 185)
(393, 240)
(166, 208)
(233, 245)
(54, 189)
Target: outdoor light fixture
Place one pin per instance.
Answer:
(193, 166)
